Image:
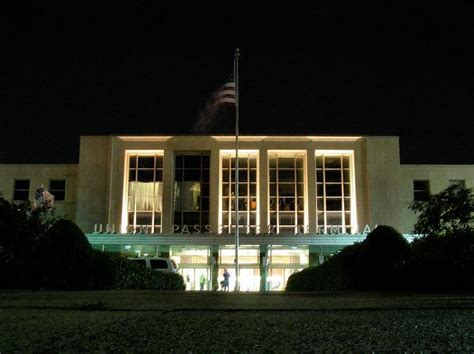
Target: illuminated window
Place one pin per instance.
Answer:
(248, 201)
(286, 197)
(21, 190)
(191, 192)
(57, 187)
(334, 193)
(421, 190)
(459, 183)
(145, 192)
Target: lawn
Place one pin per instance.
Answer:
(193, 321)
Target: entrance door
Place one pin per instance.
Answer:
(249, 278)
(278, 278)
(192, 275)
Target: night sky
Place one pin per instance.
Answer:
(405, 70)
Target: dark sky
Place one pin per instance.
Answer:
(404, 70)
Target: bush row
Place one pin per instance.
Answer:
(37, 252)
(385, 261)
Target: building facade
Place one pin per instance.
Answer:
(301, 198)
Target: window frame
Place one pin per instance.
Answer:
(60, 190)
(21, 190)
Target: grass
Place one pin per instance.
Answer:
(197, 322)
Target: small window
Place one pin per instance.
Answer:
(421, 190)
(21, 190)
(57, 187)
(459, 183)
(158, 264)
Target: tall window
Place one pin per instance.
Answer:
(191, 192)
(57, 187)
(286, 182)
(334, 193)
(21, 190)
(145, 192)
(248, 201)
(421, 190)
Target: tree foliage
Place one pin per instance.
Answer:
(448, 212)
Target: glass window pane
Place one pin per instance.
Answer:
(192, 161)
(192, 175)
(333, 190)
(205, 189)
(347, 189)
(334, 218)
(334, 204)
(58, 195)
(146, 162)
(286, 190)
(332, 161)
(347, 176)
(319, 161)
(300, 162)
(243, 175)
(345, 161)
(286, 176)
(132, 161)
(205, 175)
(22, 184)
(57, 184)
(205, 161)
(159, 175)
(319, 176)
(320, 204)
(144, 218)
(347, 204)
(272, 162)
(159, 161)
(286, 162)
(145, 175)
(333, 176)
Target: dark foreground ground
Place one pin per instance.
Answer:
(218, 322)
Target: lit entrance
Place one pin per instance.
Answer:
(278, 277)
(192, 278)
(249, 278)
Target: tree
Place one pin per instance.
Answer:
(449, 212)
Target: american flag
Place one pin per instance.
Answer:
(226, 94)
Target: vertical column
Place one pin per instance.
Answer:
(263, 189)
(264, 262)
(314, 252)
(168, 176)
(214, 191)
(311, 189)
(214, 266)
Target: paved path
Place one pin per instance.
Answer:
(194, 321)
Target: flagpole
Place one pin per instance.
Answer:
(236, 80)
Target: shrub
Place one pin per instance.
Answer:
(22, 229)
(373, 264)
(337, 273)
(447, 213)
(443, 262)
(66, 257)
(383, 255)
(114, 271)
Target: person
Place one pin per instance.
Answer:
(202, 281)
(226, 280)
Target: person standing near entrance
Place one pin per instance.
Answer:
(202, 281)
(226, 280)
